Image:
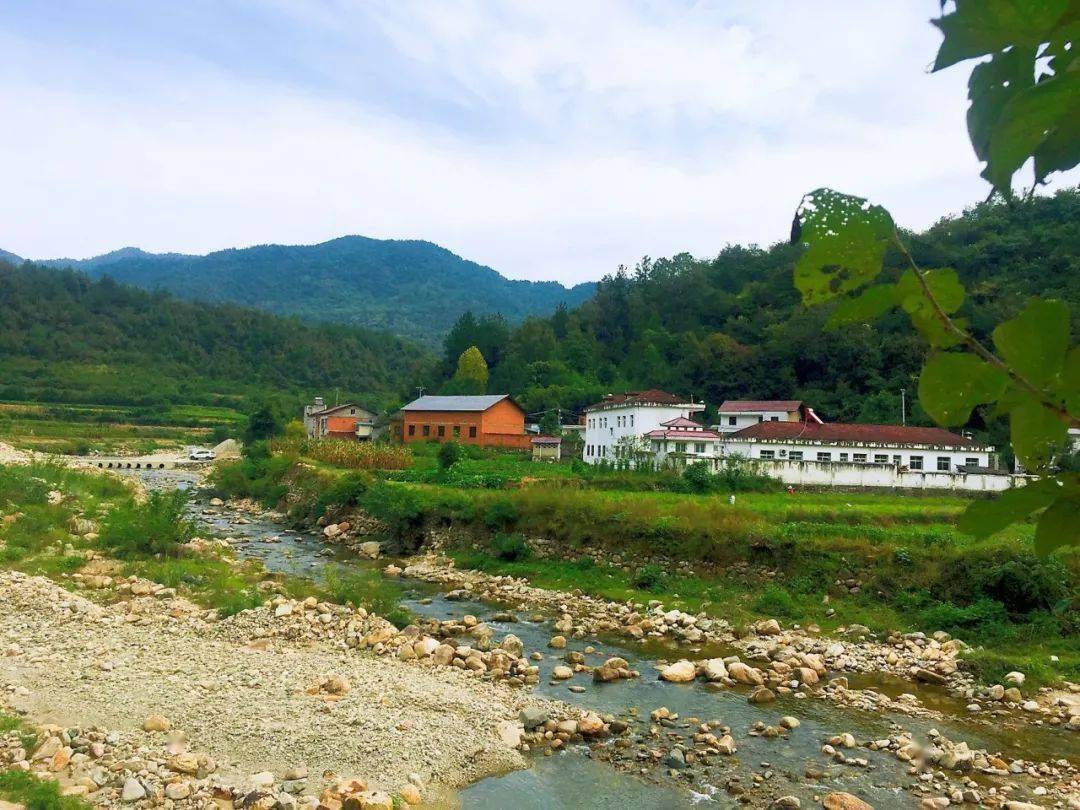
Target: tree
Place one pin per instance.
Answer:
(471, 376)
(263, 423)
(549, 423)
(449, 453)
(1025, 105)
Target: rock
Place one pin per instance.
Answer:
(509, 733)
(283, 610)
(590, 724)
(392, 570)
(562, 673)
(371, 549)
(761, 694)
(768, 627)
(184, 763)
(295, 774)
(369, 800)
(726, 745)
(513, 645)
(929, 676)
(680, 672)
(996, 692)
(410, 794)
(177, 791)
(743, 673)
(1013, 695)
(844, 801)
(788, 802)
(1015, 678)
(336, 685)
(156, 722)
(133, 791)
(714, 670)
(675, 759)
(789, 722)
(557, 642)
(262, 779)
(532, 716)
(1014, 805)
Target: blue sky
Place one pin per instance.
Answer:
(545, 139)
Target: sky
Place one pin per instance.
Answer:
(548, 140)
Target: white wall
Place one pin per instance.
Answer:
(896, 455)
(812, 473)
(604, 428)
(745, 420)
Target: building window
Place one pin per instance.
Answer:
(731, 420)
(680, 447)
(824, 456)
(427, 430)
(457, 431)
(795, 455)
(472, 431)
(896, 460)
(915, 462)
(843, 456)
(774, 418)
(699, 447)
(971, 462)
(442, 430)
(881, 458)
(761, 418)
(943, 464)
(858, 458)
(631, 420)
(767, 454)
(412, 430)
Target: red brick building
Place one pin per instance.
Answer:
(492, 420)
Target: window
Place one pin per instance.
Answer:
(795, 455)
(761, 418)
(699, 447)
(427, 430)
(843, 457)
(896, 460)
(412, 430)
(858, 458)
(971, 462)
(472, 431)
(680, 447)
(774, 418)
(767, 454)
(881, 458)
(457, 431)
(731, 420)
(442, 430)
(656, 447)
(824, 456)
(631, 420)
(915, 462)
(943, 464)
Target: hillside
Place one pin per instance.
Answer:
(734, 326)
(410, 288)
(67, 338)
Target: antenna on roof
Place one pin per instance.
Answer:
(419, 391)
(903, 407)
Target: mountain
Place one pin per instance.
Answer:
(411, 288)
(734, 327)
(65, 337)
(10, 258)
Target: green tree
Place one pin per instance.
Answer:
(471, 376)
(549, 423)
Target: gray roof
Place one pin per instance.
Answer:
(478, 403)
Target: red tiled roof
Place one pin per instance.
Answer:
(690, 435)
(653, 396)
(682, 422)
(836, 432)
(752, 405)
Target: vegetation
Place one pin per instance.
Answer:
(410, 288)
(157, 526)
(34, 793)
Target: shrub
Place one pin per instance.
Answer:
(400, 509)
(34, 793)
(157, 526)
(1026, 584)
(584, 563)
(449, 453)
(776, 601)
(698, 478)
(510, 547)
(348, 490)
(365, 587)
(955, 619)
(649, 577)
(500, 513)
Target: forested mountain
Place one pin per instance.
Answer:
(67, 338)
(734, 326)
(411, 288)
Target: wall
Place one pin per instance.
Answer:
(745, 420)
(930, 454)
(645, 419)
(504, 429)
(503, 417)
(814, 473)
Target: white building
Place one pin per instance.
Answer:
(616, 426)
(736, 414)
(683, 441)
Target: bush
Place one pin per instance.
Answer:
(776, 601)
(449, 453)
(951, 618)
(400, 509)
(35, 793)
(365, 587)
(157, 526)
(510, 547)
(649, 578)
(348, 490)
(500, 513)
(698, 478)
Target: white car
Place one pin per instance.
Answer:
(201, 455)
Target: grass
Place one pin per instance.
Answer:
(27, 735)
(35, 793)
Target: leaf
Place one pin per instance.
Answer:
(1070, 382)
(991, 86)
(949, 293)
(1037, 433)
(1030, 119)
(868, 305)
(1034, 343)
(984, 518)
(979, 27)
(953, 383)
(845, 239)
(1058, 525)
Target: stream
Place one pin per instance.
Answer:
(573, 778)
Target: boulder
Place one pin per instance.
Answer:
(133, 791)
(509, 733)
(557, 642)
(371, 549)
(714, 669)
(680, 672)
(562, 673)
(744, 673)
(844, 801)
(156, 722)
(761, 694)
(590, 724)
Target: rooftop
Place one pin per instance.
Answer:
(755, 405)
(682, 423)
(455, 403)
(836, 432)
(653, 396)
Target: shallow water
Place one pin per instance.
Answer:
(572, 779)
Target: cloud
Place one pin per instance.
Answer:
(549, 140)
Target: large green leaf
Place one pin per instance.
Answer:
(870, 304)
(1070, 382)
(953, 383)
(1059, 525)
(1034, 343)
(983, 518)
(845, 239)
(1029, 120)
(949, 293)
(979, 27)
(991, 86)
(1037, 432)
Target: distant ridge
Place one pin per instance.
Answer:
(412, 288)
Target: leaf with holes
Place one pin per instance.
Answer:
(984, 518)
(953, 383)
(979, 27)
(869, 305)
(1035, 342)
(1057, 526)
(1037, 432)
(845, 239)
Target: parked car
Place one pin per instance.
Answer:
(201, 455)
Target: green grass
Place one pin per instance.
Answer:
(37, 794)
(27, 735)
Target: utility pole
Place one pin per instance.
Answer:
(903, 407)
(420, 390)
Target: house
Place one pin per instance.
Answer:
(736, 414)
(348, 421)
(546, 448)
(615, 427)
(683, 441)
(493, 420)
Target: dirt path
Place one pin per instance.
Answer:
(69, 661)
